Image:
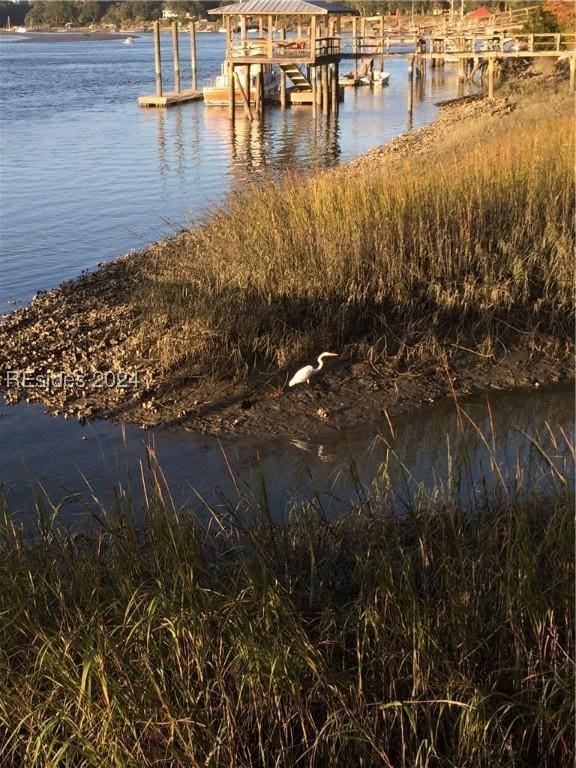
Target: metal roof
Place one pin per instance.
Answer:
(282, 7)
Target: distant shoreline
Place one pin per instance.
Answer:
(66, 37)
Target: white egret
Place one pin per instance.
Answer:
(306, 373)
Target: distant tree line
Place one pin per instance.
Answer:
(58, 13)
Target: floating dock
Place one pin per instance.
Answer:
(169, 99)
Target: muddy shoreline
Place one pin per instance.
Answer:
(74, 348)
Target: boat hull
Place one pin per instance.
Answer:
(220, 97)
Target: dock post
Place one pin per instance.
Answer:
(318, 85)
(410, 83)
(572, 72)
(491, 77)
(461, 68)
(258, 96)
(157, 58)
(282, 75)
(312, 78)
(335, 88)
(176, 56)
(325, 92)
(269, 36)
(231, 92)
(382, 42)
(193, 55)
(354, 35)
(283, 90)
(247, 95)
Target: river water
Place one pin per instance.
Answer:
(88, 175)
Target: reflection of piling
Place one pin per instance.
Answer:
(193, 55)
(157, 58)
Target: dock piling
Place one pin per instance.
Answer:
(193, 55)
(283, 76)
(325, 91)
(572, 72)
(410, 84)
(334, 86)
(157, 58)
(231, 93)
(176, 56)
(491, 61)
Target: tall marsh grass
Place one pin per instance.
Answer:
(402, 263)
(435, 638)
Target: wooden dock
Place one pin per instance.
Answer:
(309, 62)
(179, 95)
(170, 99)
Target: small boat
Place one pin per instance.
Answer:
(350, 80)
(20, 30)
(218, 93)
(128, 41)
(376, 78)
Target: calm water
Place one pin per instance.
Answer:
(87, 175)
(46, 457)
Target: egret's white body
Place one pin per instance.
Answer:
(304, 375)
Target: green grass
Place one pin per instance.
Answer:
(405, 264)
(434, 638)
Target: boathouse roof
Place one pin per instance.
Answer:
(282, 8)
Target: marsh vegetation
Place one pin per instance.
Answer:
(398, 264)
(395, 634)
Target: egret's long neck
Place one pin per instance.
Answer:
(320, 363)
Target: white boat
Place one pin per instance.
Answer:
(20, 30)
(378, 78)
(128, 41)
(217, 94)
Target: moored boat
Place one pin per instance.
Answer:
(217, 94)
(376, 78)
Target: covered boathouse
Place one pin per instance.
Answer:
(258, 46)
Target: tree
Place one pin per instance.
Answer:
(183, 7)
(540, 22)
(55, 13)
(89, 11)
(16, 12)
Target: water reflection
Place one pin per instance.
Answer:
(487, 443)
(248, 146)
